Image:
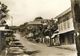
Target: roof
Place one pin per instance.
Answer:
(35, 22)
(63, 13)
(3, 29)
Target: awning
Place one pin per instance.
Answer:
(66, 31)
(53, 36)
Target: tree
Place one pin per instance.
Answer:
(3, 11)
(23, 28)
(3, 22)
(51, 28)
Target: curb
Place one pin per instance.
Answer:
(66, 48)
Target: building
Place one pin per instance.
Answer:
(66, 27)
(38, 27)
(4, 37)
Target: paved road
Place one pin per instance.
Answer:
(43, 49)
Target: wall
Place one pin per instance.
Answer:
(65, 23)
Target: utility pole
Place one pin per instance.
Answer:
(75, 5)
(11, 20)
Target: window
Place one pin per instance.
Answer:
(65, 25)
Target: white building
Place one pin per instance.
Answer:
(66, 27)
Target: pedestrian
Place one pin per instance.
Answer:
(6, 51)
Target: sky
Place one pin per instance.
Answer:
(26, 10)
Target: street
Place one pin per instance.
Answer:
(43, 50)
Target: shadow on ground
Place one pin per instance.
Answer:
(31, 52)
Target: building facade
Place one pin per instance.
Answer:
(66, 27)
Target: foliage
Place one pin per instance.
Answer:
(39, 30)
(23, 27)
(3, 13)
(3, 10)
(51, 28)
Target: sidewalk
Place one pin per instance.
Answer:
(68, 47)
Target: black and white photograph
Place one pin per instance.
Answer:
(39, 27)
